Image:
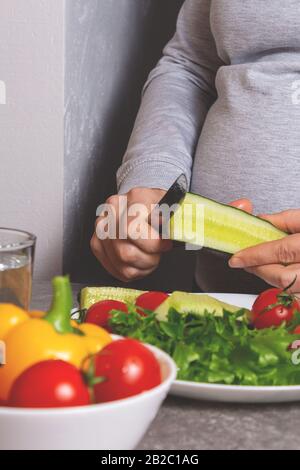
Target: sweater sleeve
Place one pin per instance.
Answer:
(176, 99)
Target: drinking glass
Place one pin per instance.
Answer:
(16, 266)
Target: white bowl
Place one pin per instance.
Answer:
(119, 425)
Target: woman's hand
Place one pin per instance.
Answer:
(131, 258)
(277, 262)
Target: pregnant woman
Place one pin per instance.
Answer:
(223, 107)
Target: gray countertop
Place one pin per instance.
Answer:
(184, 424)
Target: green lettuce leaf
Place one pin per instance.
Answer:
(214, 349)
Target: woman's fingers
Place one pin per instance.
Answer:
(288, 221)
(153, 244)
(278, 275)
(284, 251)
(124, 243)
(141, 234)
(122, 252)
(277, 262)
(130, 270)
(97, 248)
(243, 204)
(120, 270)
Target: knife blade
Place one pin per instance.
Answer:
(176, 192)
(173, 196)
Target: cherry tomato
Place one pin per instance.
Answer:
(296, 331)
(150, 301)
(272, 308)
(49, 384)
(99, 313)
(127, 367)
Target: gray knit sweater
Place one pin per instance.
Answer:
(223, 106)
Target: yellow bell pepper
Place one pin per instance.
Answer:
(10, 317)
(96, 337)
(37, 314)
(53, 337)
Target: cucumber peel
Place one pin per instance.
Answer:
(183, 302)
(218, 226)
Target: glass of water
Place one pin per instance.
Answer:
(16, 265)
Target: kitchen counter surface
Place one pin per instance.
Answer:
(184, 424)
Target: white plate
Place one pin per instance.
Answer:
(235, 393)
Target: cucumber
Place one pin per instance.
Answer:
(91, 295)
(184, 302)
(207, 223)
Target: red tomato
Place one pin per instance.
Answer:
(2, 403)
(272, 308)
(128, 368)
(150, 301)
(99, 313)
(296, 331)
(49, 384)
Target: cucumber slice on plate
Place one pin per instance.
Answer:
(185, 302)
(218, 226)
(91, 295)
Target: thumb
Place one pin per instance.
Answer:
(243, 204)
(288, 221)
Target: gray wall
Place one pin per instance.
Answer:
(111, 46)
(85, 60)
(31, 124)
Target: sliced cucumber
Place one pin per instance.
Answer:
(91, 295)
(209, 224)
(184, 302)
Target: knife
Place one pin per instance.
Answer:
(173, 196)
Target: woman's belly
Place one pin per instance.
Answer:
(250, 142)
(249, 147)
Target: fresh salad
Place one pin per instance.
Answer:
(209, 340)
(53, 361)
